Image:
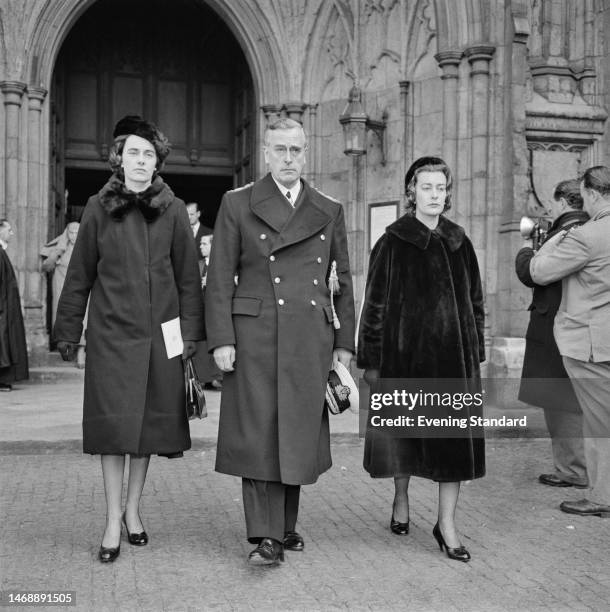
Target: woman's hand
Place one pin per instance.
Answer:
(190, 348)
(371, 376)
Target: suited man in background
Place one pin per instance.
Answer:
(199, 230)
(581, 257)
(270, 325)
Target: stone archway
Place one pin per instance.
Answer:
(26, 101)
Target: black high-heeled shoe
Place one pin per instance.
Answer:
(108, 555)
(459, 554)
(136, 539)
(398, 528)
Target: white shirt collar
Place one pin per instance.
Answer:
(294, 191)
(3, 244)
(195, 228)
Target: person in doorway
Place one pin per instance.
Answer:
(545, 382)
(580, 257)
(423, 317)
(57, 254)
(206, 367)
(269, 323)
(199, 230)
(135, 256)
(13, 348)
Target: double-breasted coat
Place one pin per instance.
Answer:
(544, 380)
(136, 256)
(277, 313)
(423, 317)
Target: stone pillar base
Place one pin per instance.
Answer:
(505, 363)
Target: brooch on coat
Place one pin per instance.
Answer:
(335, 289)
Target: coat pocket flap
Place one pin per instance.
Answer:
(328, 311)
(250, 306)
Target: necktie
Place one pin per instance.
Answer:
(289, 197)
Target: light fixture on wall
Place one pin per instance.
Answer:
(356, 122)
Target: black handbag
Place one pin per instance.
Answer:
(195, 398)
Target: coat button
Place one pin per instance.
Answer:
(280, 302)
(322, 237)
(272, 258)
(263, 236)
(319, 260)
(313, 302)
(315, 281)
(276, 280)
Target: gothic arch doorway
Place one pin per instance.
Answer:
(177, 64)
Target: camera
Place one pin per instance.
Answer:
(536, 229)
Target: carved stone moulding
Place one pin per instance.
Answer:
(292, 110)
(549, 122)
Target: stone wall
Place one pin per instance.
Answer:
(511, 93)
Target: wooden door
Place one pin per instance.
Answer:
(179, 67)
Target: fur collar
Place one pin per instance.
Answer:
(410, 229)
(117, 200)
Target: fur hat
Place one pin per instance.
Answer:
(419, 163)
(134, 124)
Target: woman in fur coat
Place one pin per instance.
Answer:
(136, 257)
(423, 318)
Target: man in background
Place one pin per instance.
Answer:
(199, 230)
(13, 349)
(581, 257)
(545, 382)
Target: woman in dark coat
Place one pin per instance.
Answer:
(544, 380)
(423, 318)
(135, 255)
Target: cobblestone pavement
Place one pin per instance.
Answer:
(527, 555)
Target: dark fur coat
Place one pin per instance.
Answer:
(423, 318)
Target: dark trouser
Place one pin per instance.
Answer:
(271, 508)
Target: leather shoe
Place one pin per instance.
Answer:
(399, 528)
(136, 539)
(584, 507)
(293, 541)
(5, 387)
(554, 481)
(108, 555)
(268, 552)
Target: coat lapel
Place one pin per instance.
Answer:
(266, 204)
(307, 219)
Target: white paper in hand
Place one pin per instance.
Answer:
(172, 337)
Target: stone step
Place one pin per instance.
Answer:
(58, 373)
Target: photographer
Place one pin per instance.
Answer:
(544, 380)
(581, 257)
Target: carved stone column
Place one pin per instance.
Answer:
(479, 57)
(449, 62)
(404, 112)
(13, 92)
(481, 216)
(37, 212)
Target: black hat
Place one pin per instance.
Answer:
(418, 163)
(134, 124)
